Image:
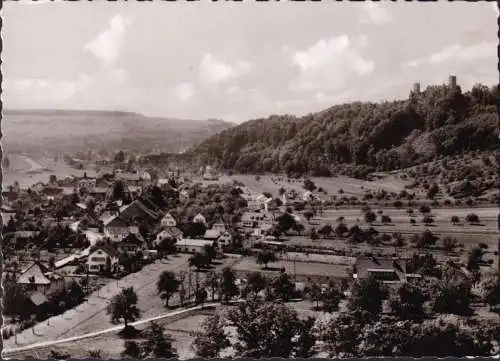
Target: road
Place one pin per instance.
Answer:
(44, 344)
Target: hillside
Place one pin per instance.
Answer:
(73, 130)
(358, 138)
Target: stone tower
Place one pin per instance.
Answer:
(452, 82)
(416, 88)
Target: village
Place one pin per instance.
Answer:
(74, 238)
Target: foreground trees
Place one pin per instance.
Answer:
(155, 344)
(124, 306)
(263, 330)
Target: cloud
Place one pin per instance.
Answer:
(329, 64)
(184, 92)
(217, 71)
(376, 14)
(107, 45)
(41, 91)
(456, 53)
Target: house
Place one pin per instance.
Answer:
(131, 243)
(188, 245)
(102, 256)
(212, 234)
(199, 219)
(39, 278)
(146, 177)
(133, 179)
(137, 211)
(51, 191)
(210, 174)
(309, 196)
(383, 269)
(173, 233)
(100, 193)
(87, 183)
(225, 238)
(115, 228)
(219, 226)
(183, 195)
(168, 221)
(255, 219)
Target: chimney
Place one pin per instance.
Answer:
(416, 88)
(452, 82)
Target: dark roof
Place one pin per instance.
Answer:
(363, 264)
(106, 247)
(137, 209)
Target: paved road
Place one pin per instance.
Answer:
(99, 333)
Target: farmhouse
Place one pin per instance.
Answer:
(38, 278)
(137, 211)
(132, 243)
(188, 245)
(168, 221)
(101, 257)
(115, 228)
(170, 233)
(255, 219)
(383, 269)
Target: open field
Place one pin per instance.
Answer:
(332, 185)
(301, 270)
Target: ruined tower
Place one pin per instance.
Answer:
(452, 81)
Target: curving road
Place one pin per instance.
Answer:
(44, 344)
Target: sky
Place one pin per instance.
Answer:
(238, 61)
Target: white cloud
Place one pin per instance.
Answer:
(184, 92)
(329, 64)
(456, 53)
(47, 91)
(107, 45)
(376, 14)
(217, 71)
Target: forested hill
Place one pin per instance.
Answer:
(361, 137)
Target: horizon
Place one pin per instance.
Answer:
(331, 55)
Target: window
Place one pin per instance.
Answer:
(98, 259)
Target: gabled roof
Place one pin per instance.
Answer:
(211, 234)
(36, 271)
(106, 247)
(137, 209)
(365, 265)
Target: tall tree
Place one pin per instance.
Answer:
(228, 286)
(210, 339)
(124, 306)
(167, 285)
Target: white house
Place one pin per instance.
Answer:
(100, 257)
(183, 195)
(39, 278)
(115, 228)
(199, 218)
(225, 238)
(168, 221)
(219, 226)
(188, 245)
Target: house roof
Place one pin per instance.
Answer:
(190, 242)
(36, 271)
(128, 176)
(211, 234)
(364, 265)
(108, 248)
(137, 209)
(100, 190)
(38, 298)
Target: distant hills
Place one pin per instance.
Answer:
(77, 130)
(358, 138)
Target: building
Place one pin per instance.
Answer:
(452, 81)
(188, 245)
(168, 221)
(184, 195)
(170, 233)
(255, 219)
(199, 218)
(383, 269)
(212, 234)
(225, 239)
(416, 88)
(115, 228)
(131, 243)
(39, 278)
(102, 256)
(219, 226)
(309, 196)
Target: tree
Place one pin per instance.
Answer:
(449, 243)
(156, 344)
(212, 282)
(325, 230)
(167, 245)
(474, 259)
(309, 214)
(283, 287)
(211, 338)
(490, 291)
(265, 257)
(255, 283)
(472, 218)
(309, 185)
(452, 294)
(228, 286)
(428, 220)
(370, 217)
(424, 209)
(384, 218)
(341, 229)
(331, 297)
(425, 239)
(433, 190)
(124, 306)
(120, 157)
(315, 294)
(199, 260)
(367, 295)
(270, 330)
(167, 285)
(409, 303)
(455, 220)
(210, 251)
